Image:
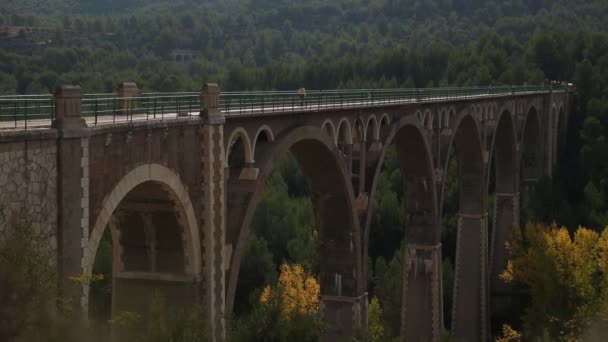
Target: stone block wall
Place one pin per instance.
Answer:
(28, 187)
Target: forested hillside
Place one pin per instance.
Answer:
(286, 44)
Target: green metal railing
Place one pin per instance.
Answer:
(24, 111)
(104, 110)
(28, 111)
(287, 101)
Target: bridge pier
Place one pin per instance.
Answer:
(506, 218)
(213, 223)
(470, 306)
(422, 293)
(73, 193)
(343, 315)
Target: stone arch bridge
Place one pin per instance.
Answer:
(175, 179)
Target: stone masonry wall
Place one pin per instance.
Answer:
(28, 187)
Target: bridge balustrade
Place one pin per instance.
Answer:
(38, 111)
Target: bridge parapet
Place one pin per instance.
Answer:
(128, 105)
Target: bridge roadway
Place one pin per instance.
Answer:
(177, 192)
(10, 121)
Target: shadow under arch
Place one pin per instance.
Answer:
(420, 297)
(342, 286)
(470, 298)
(139, 209)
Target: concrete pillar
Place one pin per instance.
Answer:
(421, 309)
(506, 217)
(213, 223)
(72, 194)
(210, 101)
(127, 92)
(362, 163)
(68, 108)
(342, 314)
(470, 306)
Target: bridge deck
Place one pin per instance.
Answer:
(105, 110)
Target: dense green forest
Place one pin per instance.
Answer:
(284, 44)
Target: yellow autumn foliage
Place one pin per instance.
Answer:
(296, 291)
(566, 276)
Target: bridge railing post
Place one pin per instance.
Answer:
(127, 92)
(68, 108)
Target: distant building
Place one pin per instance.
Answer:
(180, 55)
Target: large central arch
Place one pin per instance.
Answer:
(420, 298)
(342, 287)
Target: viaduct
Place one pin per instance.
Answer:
(178, 191)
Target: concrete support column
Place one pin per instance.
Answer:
(213, 222)
(72, 193)
(362, 163)
(347, 154)
(470, 307)
(506, 217)
(343, 313)
(421, 310)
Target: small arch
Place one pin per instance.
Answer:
(375, 128)
(385, 119)
(360, 132)
(419, 117)
(444, 118)
(449, 116)
(428, 119)
(344, 132)
(329, 129)
(239, 134)
(267, 136)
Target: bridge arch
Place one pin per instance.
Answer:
(329, 129)
(531, 143)
(503, 162)
(375, 128)
(178, 251)
(359, 133)
(469, 305)
(344, 132)
(428, 119)
(239, 141)
(333, 203)
(265, 133)
(419, 307)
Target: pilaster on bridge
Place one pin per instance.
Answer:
(176, 192)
